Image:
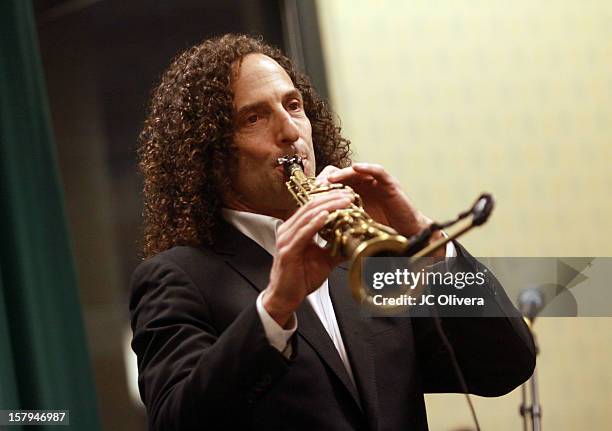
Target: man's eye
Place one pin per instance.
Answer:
(294, 105)
(252, 119)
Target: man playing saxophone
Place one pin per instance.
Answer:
(240, 317)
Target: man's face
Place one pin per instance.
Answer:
(270, 123)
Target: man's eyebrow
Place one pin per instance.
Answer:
(256, 105)
(293, 93)
(249, 107)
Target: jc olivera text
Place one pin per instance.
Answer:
(442, 300)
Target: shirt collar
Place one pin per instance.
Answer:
(260, 228)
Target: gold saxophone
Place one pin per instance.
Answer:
(350, 232)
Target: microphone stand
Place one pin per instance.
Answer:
(531, 413)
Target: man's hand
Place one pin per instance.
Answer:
(300, 266)
(383, 198)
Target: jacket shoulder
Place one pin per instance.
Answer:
(184, 265)
(183, 258)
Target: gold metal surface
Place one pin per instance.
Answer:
(350, 232)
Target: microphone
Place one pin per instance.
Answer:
(482, 209)
(531, 302)
(557, 299)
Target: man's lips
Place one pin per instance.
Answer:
(280, 168)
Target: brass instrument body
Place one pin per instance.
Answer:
(350, 232)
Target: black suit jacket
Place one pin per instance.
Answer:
(205, 362)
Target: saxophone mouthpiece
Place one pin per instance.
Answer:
(291, 163)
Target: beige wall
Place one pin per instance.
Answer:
(514, 98)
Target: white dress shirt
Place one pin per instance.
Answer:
(262, 229)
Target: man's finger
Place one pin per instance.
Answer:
(317, 200)
(327, 202)
(328, 170)
(303, 237)
(350, 176)
(377, 171)
(330, 204)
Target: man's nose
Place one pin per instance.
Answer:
(288, 131)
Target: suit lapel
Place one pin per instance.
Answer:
(356, 335)
(314, 333)
(253, 263)
(244, 255)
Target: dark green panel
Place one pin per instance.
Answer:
(47, 339)
(9, 396)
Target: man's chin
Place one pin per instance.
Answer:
(286, 201)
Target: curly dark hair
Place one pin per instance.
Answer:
(186, 147)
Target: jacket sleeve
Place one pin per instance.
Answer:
(495, 354)
(190, 375)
